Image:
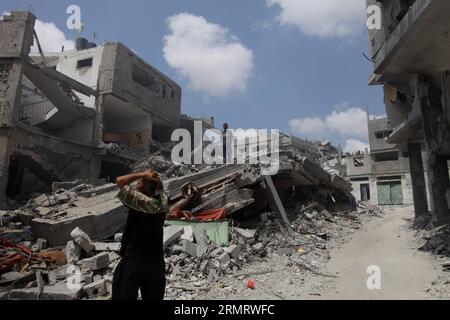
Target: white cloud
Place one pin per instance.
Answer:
(347, 126)
(348, 123)
(353, 145)
(309, 126)
(207, 55)
(322, 18)
(50, 37)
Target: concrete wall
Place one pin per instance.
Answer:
(390, 167)
(79, 131)
(15, 34)
(353, 170)
(373, 182)
(356, 185)
(88, 75)
(375, 126)
(116, 77)
(398, 106)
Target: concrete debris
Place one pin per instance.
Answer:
(113, 256)
(72, 252)
(171, 234)
(96, 289)
(202, 240)
(245, 234)
(257, 248)
(234, 250)
(58, 274)
(189, 248)
(82, 240)
(446, 265)
(188, 234)
(98, 262)
(224, 258)
(10, 277)
(40, 244)
(437, 240)
(87, 220)
(111, 246)
(118, 237)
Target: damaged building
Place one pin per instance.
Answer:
(81, 114)
(382, 176)
(73, 121)
(413, 68)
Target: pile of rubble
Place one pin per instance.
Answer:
(195, 258)
(64, 245)
(81, 269)
(194, 269)
(437, 242)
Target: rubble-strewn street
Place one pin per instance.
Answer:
(65, 245)
(117, 181)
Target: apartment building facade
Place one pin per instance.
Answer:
(411, 60)
(382, 176)
(81, 114)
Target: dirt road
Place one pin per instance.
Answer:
(385, 241)
(388, 244)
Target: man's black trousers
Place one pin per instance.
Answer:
(136, 272)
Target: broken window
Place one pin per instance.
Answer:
(386, 156)
(141, 76)
(365, 192)
(358, 162)
(381, 135)
(85, 63)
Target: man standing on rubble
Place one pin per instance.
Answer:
(142, 265)
(227, 138)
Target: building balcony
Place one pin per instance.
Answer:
(419, 43)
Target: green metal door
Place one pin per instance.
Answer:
(396, 193)
(384, 194)
(390, 193)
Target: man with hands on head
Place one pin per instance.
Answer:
(142, 265)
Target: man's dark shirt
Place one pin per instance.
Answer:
(143, 233)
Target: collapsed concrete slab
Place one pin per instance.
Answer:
(99, 218)
(59, 291)
(202, 179)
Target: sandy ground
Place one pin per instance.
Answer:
(389, 244)
(386, 242)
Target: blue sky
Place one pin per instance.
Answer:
(285, 63)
